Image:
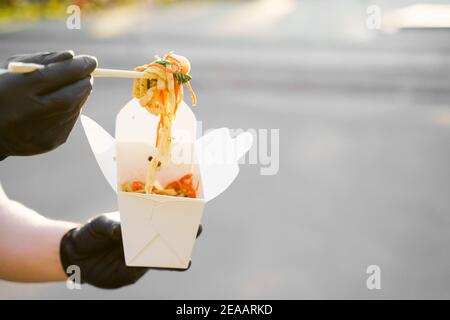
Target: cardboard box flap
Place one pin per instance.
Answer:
(103, 147)
(134, 123)
(217, 155)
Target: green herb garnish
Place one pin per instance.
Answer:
(182, 78)
(163, 62)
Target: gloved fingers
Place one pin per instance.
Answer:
(52, 130)
(108, 270)
(128, 275)
(54, 57)
(199, 231)
(100, 269)
(133, 274)
(124, 275)
(100, 233)
(41, 57)
(103, 226)
(68, 99)
(58, 132)
(58, 75)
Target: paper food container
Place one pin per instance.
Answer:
(157, 230)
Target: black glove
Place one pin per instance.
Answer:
(39, 109)
(96, 248)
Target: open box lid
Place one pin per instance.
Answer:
(217, 153)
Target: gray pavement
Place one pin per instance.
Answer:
(364, 177)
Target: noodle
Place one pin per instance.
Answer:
(161, 92)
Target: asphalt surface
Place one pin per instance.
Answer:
(364, 151)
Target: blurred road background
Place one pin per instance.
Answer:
(364, 119)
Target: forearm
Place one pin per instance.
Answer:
(29, 244)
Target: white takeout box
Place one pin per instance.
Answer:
(160, 231)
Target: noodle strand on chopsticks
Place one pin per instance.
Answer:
(161, 92)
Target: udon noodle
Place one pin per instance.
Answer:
(161, 92)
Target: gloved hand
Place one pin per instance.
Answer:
(39, 109)
(97, 249)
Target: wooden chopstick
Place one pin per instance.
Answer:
(20, 67)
